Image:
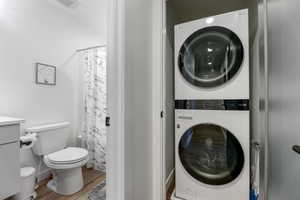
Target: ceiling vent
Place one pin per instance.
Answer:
(69, 3)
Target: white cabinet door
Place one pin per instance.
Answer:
(9, 169)
(9, 134)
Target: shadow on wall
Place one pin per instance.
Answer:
(188, 10)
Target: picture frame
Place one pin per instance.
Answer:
(45, 74)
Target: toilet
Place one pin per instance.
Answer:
(65, 162)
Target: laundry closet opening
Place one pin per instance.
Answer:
(183, 12)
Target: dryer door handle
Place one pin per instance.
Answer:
(296, 148)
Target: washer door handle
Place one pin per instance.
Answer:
(296, 148)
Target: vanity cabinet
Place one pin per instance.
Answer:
(9, 157)
(9, 170)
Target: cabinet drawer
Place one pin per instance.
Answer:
(10, 133)
(9, 169)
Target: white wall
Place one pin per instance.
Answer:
(284, 110)
(36, 31)
(138, 99)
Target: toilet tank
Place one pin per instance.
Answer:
(50, 137)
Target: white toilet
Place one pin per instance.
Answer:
(66, 162)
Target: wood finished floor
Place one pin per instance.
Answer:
(91, 179)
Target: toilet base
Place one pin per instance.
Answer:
(66, 181)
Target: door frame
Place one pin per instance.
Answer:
(158, 111)
(116, 101)
(264, 153)
(158, 149)
(115, 98)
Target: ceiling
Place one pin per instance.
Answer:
(92, 13)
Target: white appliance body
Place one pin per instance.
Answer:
(212, 57)
(188, 186)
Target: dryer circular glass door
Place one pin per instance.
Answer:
(211, 57)
(211, 154)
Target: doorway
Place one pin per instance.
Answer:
(65, 34)
(175, 12)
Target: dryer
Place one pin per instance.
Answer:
(212, 150)
(212, 57)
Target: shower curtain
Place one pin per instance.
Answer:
(94, 106)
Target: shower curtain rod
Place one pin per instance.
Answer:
(94, 47)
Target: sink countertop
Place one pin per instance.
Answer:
(10, 121)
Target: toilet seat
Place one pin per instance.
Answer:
(67, 158)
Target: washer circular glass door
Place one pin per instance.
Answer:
(211, 154)
(211, 57)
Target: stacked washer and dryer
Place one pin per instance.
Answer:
(212, 116)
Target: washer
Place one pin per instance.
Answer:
(212, 57)
(212, 150)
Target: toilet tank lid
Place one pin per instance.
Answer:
(46, 127)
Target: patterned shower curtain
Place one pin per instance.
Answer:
(93, 131)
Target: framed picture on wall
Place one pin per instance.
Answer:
(45, 74)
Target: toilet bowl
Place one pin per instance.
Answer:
(65, 162)
(66, 169)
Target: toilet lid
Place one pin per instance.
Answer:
(68, 155)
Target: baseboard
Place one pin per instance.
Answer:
(170, 180)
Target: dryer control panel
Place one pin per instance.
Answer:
(241, 104)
